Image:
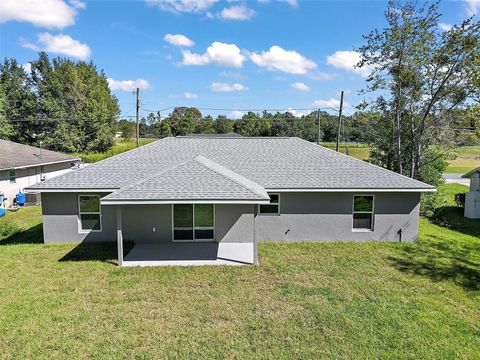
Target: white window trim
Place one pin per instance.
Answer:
(193, 226)
(14, 176)
(270, 214)
(364, 212)
(86, 231)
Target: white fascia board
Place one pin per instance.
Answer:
(41, 164)
(365, 190)
(37, 190)
(157, 202)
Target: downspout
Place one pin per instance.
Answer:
(255, 242)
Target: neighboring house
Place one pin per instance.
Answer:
(472, 198)
(118, 134)
(23, 165)
(210, 199)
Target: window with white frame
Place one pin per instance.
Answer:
(89, 213)
(193, 222)
(273, 208)
(363, 212)
(13, 175)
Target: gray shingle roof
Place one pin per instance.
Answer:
(471, 172)
(15, 155)
(198, 179)
(273, 163)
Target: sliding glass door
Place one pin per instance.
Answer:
(193, 222)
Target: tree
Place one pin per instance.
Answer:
(205, 125)
(20, 107)
(183, 120)
(223, 125)
(6, 129)
(423, 75)
(78, 100)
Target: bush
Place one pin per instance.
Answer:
(460, 200)
(8, 228)
(430, 203)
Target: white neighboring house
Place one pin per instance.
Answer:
(23, 165)
(472, 198)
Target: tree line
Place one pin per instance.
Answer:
(189, 120)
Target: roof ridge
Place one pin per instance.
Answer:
(232, 175)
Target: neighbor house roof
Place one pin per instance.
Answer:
(271, 163)
(471, 172)
(14, 155)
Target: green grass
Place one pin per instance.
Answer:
(119, 147)
(467, 158)
(464, 158)
(305, 300)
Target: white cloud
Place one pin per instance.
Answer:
(42, 13)
(218, 53)
(178, 40)
(297, 113)
(189, 95)
(300, 86)
(293, 3)
(445, 27)
(235, 115)
(179, 6)
(347, 60)
(283, 60)
(330, 103)
(473, 7)
(225, 87)
(60, 44)
(236, 13)
(77, 4)
(27, 67)
(127, 85)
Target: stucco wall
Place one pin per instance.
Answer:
(29, 176)
(328, 217)
(303, 217)
(60, 220)
(140, 223)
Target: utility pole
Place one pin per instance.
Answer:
(339, 125)
(138, 108)
(319, 129)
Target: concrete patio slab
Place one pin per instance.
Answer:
(189, 254)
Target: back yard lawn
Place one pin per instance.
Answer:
(342, 300)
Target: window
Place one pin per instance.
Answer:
(363, 212)
(273, 207)
(13, 176)
(193, 222)
(89, 213)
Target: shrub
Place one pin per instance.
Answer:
(431, 203)
(460, 200)
(8, 228)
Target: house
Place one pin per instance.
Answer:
(210, 199)
(23, 165)
(472, 198)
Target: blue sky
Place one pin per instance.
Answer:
(232, 55)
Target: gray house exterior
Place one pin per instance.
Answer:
(210, 200)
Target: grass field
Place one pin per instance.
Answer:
(467, 158)
(306, 300)
(464, 158)
(119, 147)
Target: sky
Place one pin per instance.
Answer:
(227, 55)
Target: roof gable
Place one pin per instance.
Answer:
(198, 179)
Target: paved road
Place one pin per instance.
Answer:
(456, 179)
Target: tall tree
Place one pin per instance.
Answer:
(20, 107)
(6, 129)
(183, 120)
(76, 98)
(422, 75)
